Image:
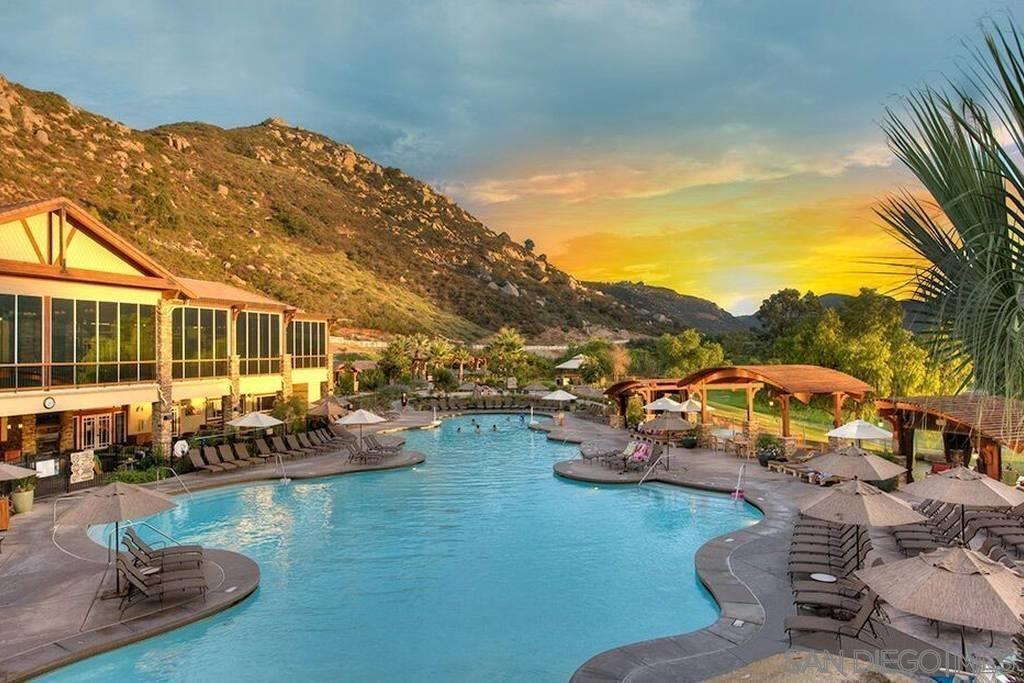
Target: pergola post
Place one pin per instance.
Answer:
(784, 414)
(704, 404)
(750, 404)
(837, 408)
(990, 453)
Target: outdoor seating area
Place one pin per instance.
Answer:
(515, 402)
(638, 455)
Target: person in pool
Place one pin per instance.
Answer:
(477, 429)
(458, 430)
(494, 428)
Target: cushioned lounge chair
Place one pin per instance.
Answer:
(285, 449)
(198, 463)
(211, 457)
(157, 585)
(227, 455)
(837, 627)
(242, 453)
(295, 445)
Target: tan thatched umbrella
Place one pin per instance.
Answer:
(861, 504)
(965, 487)
(117, 502)
(955, 585)
(855, 463)
(666, 423)
(331, 407)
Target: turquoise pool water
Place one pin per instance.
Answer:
(479, 565)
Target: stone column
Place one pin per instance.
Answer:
(28, 435)
(67, 432)
(286, 376)
(704, 438)
(750, 436)
(788, 445)
(834, 443)
(234, 376)
(162, 408)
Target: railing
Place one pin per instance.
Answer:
(161, 468)
(70, 375)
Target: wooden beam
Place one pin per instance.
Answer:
(53, 272)
(703, 405)
(750, 405)
(784, 414)
(837, 408)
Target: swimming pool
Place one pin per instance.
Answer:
(479, 564)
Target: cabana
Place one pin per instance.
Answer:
(968, 423)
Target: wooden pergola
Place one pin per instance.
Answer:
(966, 422)
(786, 382)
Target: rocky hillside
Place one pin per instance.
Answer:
(669, 307)
(304, 219)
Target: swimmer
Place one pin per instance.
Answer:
(459, 430)
(494, 428)
(477, 429)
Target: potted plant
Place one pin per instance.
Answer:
(768, 448)
(24, 494)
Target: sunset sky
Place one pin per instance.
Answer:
(725, 149)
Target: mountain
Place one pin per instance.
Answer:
(302, 218)
(669, 307)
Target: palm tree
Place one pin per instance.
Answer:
(462, 356)
(505, 352)
(964, 144)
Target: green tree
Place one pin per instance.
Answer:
(680, 354)
(505, 353)
(642, 363)
(528, 244)
(396, 359)
(461, 356)
(634, 411)
(784, 309)
(444, 381)
(291, 411)
(964, 144)
(598, 363)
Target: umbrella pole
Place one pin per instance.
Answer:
(963, 647)
(963, 535)
(117, 541)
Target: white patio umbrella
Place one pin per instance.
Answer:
(13, 472)
(559, 396)
(859, 430)
(358, 418)
(691, 405)
(255, 420)
(664, 403)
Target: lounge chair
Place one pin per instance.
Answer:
(376, 444)
(265, 450)
(839, 628)
(199, 464)
(306, 443)
(211, 457)
(186, 549)
(282, 449)
(295, 445)
(227, 455)
(157, 585)
(161, 561)
(242, 453)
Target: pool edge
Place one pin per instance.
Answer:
(742, 613)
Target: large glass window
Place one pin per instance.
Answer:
(200, 339)
(62, 341)
(258, 342)
(21, 341)
(307, 343)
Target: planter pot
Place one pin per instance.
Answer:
(23, 501)
(689, 442)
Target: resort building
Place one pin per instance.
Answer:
(569, 372)
(101, 345)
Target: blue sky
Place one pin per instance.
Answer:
(584, 125)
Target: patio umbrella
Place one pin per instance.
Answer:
(13, 472)
(855, 502)
(330, 407)
(117, 502)
(859, 430)
(256, 420)
(666, 423)
(359, 418)
(664, 403)
(965, 487)
(854, 463)
(559, 396)
(955, 585)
